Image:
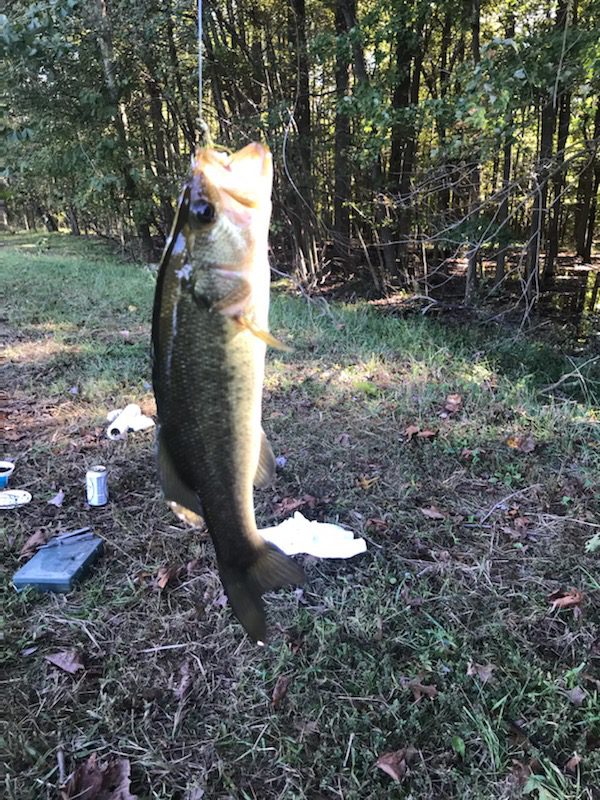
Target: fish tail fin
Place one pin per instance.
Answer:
(245, 586)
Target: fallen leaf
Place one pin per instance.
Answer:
(426, 434)
(453, 403)
(58, 499)
(100, 780)
(522, 442)
(481, 671)
(290, 504)
(344, 440)
(365, 482)
(164, 576)
(377, 523)
(573, 763)
(411, 431)
(433, 512)
(192, 566)
(67, 660)
(280, 690)
(185, 681)
(194, 794)
(32, 544)
(576, 695)
(396, 764)
(418, 690)
(565, 599)
(307, 728)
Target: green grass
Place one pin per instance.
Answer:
(428, 599)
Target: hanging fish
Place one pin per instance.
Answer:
(209, 337)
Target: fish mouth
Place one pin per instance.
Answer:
(243, 179)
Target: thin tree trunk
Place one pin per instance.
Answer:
(506, 170)
(585, 211)
(342, 184)
(540, 194)
(475, 174)
(73, 221)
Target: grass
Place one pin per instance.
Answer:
(430, 599)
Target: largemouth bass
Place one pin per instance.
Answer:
(209, 336)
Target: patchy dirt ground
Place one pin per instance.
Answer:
(458, 658)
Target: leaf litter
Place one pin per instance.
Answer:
(99, 780)
(67, 660)
(397, 764)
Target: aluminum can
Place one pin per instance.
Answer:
(96, 485)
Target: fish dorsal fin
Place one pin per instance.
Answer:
(265, 472)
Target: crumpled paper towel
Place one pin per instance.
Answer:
(321, 539)
(124, 420)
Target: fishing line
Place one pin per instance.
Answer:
(203, 131)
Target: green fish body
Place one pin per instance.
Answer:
(209, 339)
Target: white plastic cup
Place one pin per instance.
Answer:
(6, 470)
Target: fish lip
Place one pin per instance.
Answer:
(215, 173)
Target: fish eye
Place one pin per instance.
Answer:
(203, 211)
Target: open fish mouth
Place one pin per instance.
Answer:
(244, 178)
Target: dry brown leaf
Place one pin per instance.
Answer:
(290, 504)
(573, 763)
(576, 695)
(397, 763)
(481, 671)
(453, 403)
(377, 523)
(523, 442)
(32, 544)
(365, 482)
(280, 690)
(411, 431)
(165, 575)
(565, 599)
(418, 690)
(433, 512)
(100, 780)
(67, 660)
(427, 434)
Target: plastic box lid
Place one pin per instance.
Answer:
(58, 565)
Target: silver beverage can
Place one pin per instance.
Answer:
(96, 485)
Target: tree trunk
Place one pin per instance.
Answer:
(506, 170)
(342, 182)
(73, 221)
(585, 210)
(540, 194)
(475, 173)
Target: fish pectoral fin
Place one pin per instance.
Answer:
(265, 472)
(245, 586)
(181, 498)
(264, 336)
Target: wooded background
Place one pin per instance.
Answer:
(406, 134)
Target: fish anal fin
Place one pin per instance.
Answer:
(181, 498)
(265, 472)
(245, 586)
